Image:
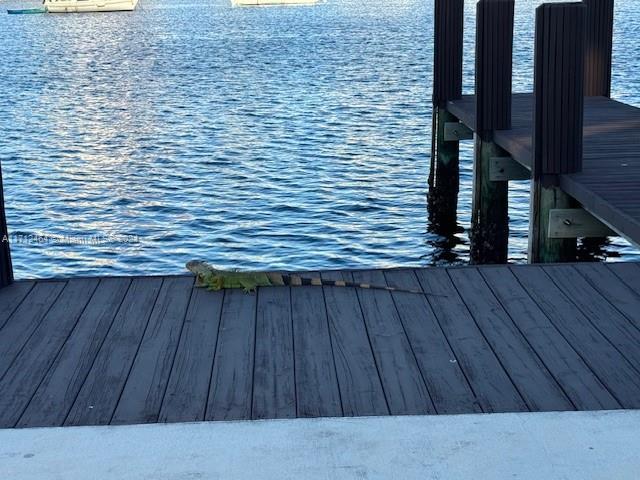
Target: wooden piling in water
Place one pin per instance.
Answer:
(558, 122)
(447, 85)
(494, 47)
(6, 269)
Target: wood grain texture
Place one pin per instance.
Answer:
(274, 382)
(580, 384)
(58, 391)
(620, 377)
(144, 390)
(24, 321)
(490, 382)
(609, 321)
(317, 390)
(231, 391)
(39, 352)
(528, 373)
(99, 395)
(447, 385)
(186, 395)
(401, 378)
(11, 297)
(629, 273)
(613, 288)
(360, 385)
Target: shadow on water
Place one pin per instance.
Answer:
(596, 250)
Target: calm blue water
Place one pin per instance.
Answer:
(291, 138)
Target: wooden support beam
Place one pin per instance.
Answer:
(505, 168)
(542, 247)
(558, 125)
(494, 47)
(456, 131)
(447, 85)
(598, 47)
(576, 223)
(444, 178)
(490, 208)
(6, 269)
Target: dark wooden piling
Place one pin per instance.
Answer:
(447, 85)
(6, 270)
(598, 47)
(558, 122)
(494, 46)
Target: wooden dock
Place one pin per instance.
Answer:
(99, 351)
(608, 185)
(579, 148)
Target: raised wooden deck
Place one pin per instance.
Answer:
(489, 339)
(607, 187)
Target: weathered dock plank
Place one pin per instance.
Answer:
(602, 314)
(621, 377)
(447, 385)
(99, 395)
(231, 390)
(402, 381)
(58, 391)
(491, 383)
(39, 352)
(581, 385)
(481, 339)
(317, 390)
(186, 395)
(528, 373)
(629, 273)
(146, 384)
(611, 287)
(361, 388)
(11, 297)
(274, 383)
(23, 322)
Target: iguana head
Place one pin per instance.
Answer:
(200, 268)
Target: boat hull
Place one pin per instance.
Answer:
(258, 3)
(27, 11)
(73, 6)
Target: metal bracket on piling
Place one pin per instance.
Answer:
(575, 223)
(503, 169)
(456, 131)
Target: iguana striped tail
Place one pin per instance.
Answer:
(298, 280)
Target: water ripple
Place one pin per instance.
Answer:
(290, 138)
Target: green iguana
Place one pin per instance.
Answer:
(214, 279)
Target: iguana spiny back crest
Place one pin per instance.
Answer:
(214, 279)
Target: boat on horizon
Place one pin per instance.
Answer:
(261, 3)
(78, 6)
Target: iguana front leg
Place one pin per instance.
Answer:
(249, 284)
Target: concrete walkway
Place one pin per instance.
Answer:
(571, 445)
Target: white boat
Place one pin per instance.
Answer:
(254, 3)
(67, 6)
